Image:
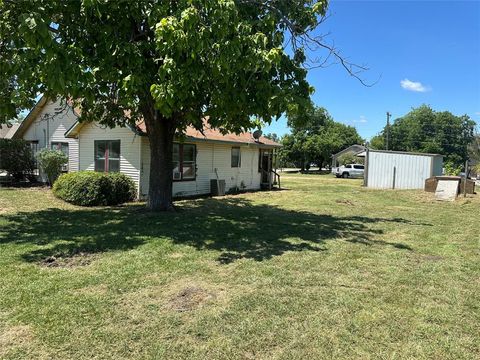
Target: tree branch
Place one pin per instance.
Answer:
(301, 38)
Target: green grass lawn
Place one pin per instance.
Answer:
(323, 269)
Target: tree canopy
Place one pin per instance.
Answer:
(426, 130)
(170, 63)
(315, 137)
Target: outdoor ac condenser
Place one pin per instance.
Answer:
(217, 187)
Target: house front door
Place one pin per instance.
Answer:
(266, 164)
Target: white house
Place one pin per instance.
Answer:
(45, 127)
(242, 161)
(400, 170)
(7, 130)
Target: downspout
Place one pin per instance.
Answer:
(47, 140)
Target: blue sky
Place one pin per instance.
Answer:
(425, 52)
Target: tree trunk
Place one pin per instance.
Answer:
(161, 132)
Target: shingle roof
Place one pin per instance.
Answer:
(211, 134)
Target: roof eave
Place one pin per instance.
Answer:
(72, 132)
(25, 124)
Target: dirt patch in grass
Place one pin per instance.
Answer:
(178, 296)
(67, 261)
(176, 255)
(431, 258)
(344, 202)
(14, 337)
(419, 258)
(190, 298)
(4, 209)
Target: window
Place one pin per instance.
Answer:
(62, 146)
(107, 155)
(184, 167)
(34, 148)
(348, 166)
(236, 159)
(358, 167)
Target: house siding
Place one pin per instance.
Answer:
(130, 146)
(210, 156)
(50, 127)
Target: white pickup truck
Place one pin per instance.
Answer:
(349, 171)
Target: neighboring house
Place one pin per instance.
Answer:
(242, 161)
(353, 149)
(7, 131)
(45, 127)
(400, 170)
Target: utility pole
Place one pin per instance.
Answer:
(388, 130)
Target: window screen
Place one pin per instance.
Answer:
(236, 157)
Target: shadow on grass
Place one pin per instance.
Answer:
(234, 227)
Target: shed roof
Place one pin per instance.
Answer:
(352, 148)
(405, 152)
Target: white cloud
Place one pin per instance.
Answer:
(361, 120)
(416, 86)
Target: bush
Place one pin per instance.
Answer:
(123, 189)
(89, 188)
(51, 162)
(452, 169)
(16, 158)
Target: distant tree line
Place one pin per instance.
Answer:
(426, 130)
(314, 138)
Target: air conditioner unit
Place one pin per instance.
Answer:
(177, 175)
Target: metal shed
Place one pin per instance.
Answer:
(400, 170)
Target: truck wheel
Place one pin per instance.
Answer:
(345, 175)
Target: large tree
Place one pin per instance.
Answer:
(426, 130)
(170, 63)
(315, 137)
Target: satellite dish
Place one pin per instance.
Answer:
(257, 134)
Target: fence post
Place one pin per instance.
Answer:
(394, 176)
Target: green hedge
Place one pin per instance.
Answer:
(89, 188)
(16, 158)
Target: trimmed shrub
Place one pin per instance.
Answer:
(16, 158)
(90, 188)
(123, 188)
(51, 162)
